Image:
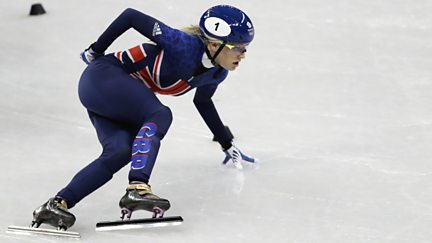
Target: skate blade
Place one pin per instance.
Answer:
(39, 231)
(138, 223)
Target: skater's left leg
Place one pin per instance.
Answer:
(145, 148)
(146, 144)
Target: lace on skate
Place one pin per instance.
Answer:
(61, 203)
(143, 190)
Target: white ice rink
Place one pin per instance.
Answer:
(334, 97)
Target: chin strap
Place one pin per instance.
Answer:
(213, 58)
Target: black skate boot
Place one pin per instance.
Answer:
(140, 197)
(55, 213)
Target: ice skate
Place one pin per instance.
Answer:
(55, 213)
(140, 197)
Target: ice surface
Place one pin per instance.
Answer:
(334, 97)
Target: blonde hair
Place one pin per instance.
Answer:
(192, 29)
(195, 30)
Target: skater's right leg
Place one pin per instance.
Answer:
(116, 140)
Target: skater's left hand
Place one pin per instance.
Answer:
(236, 156)
(89, 55)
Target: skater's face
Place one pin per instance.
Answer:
(230, 56)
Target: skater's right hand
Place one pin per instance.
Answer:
(236, 156)
(89, 55)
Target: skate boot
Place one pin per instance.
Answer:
(140, 197)
(55, 213)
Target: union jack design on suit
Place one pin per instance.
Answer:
(151, 77)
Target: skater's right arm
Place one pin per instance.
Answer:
(204, 104)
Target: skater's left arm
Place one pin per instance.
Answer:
(146, 25)
(204, 103)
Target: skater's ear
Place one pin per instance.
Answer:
(213, 47)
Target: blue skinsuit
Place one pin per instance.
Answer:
(119, 89)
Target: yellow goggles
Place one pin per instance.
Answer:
(233, 47)
(242, 48)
